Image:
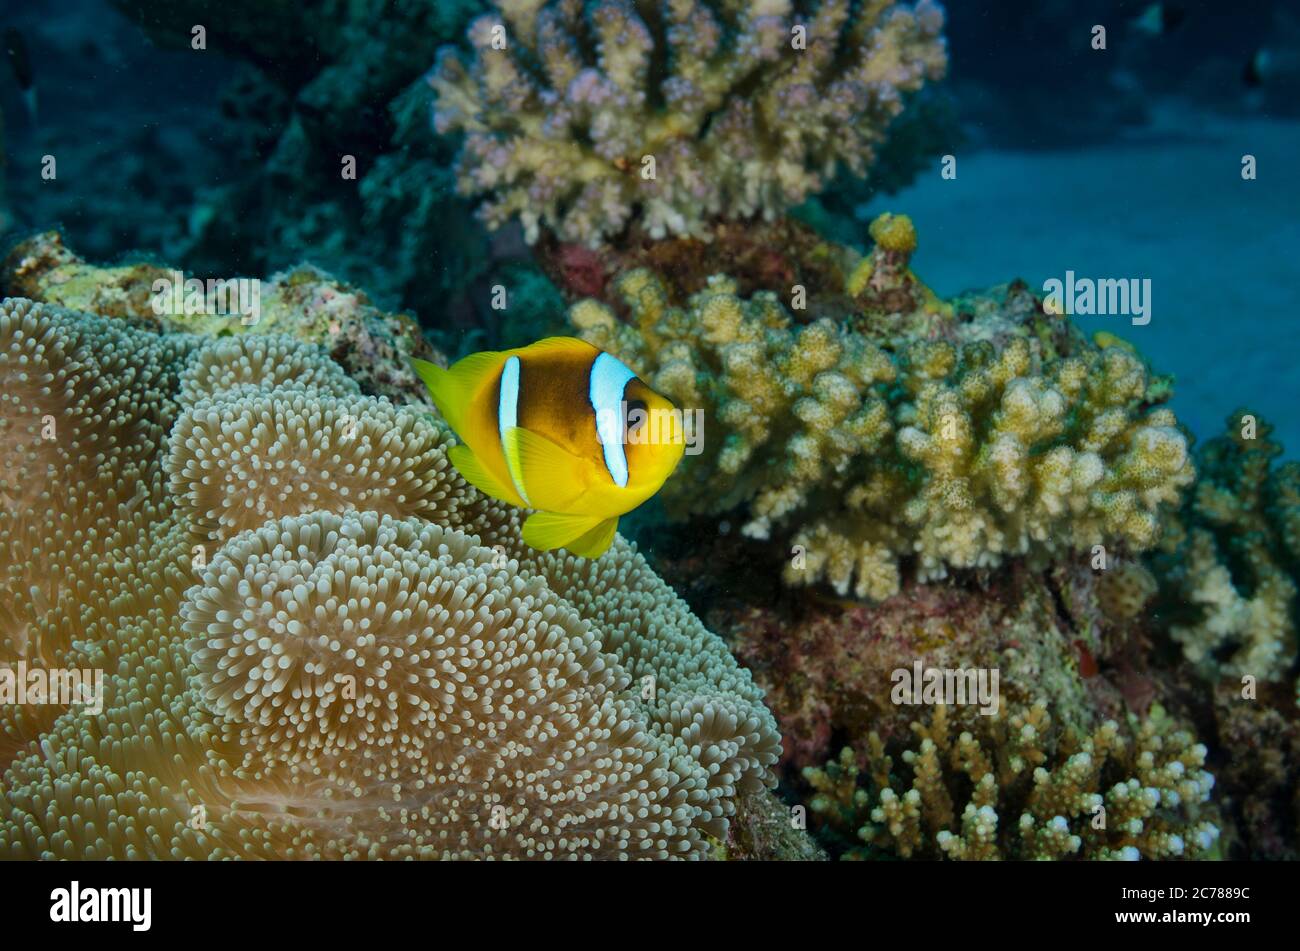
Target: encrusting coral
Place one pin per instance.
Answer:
(580, 118)
(958, 452)
(1012, 786)
(826, 664)
(359, 683)
(756, 255)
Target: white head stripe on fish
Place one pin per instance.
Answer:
(508, 417)
(609, 377)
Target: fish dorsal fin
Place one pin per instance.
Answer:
(565, 345)
(477, 475)
(585, 535)
(550, 476)
(453, 390)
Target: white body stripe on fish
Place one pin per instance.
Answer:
(508, 417)
(609, 377)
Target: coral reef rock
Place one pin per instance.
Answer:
(372, 346)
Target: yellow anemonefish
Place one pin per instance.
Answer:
(562, 427)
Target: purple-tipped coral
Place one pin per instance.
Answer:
(580, 117)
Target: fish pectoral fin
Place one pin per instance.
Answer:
(585, 535)
(597, 541)
(477, 475)
(552, 477)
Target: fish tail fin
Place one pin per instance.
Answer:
(477, 475)
(585, 535)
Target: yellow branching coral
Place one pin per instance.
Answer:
(1016, 458)
(797, 404)
(956, 454)
(1011, 787)
(400, 678)
(581, 116)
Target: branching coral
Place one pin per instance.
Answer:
(1017, 457)
(799, 397)
(1232, 576)
(1228, 575)
(1260, 768)
(957, 453)
(354, 684)
(579, 117)
(1010, 786)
